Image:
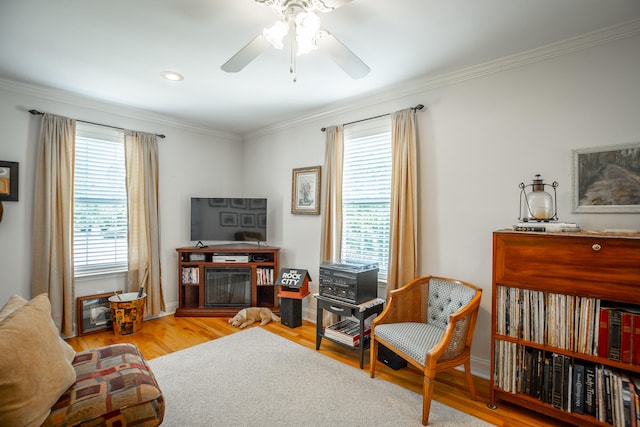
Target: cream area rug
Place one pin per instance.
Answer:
(256, 378)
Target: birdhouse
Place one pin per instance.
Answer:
(293, 282)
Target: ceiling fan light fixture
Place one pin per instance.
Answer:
(306, 44)
(275, 34)
(307, 31)
(280, 6)
(307, 23)
(298, 19)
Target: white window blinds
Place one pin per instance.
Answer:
(100, 201)
(366, 193)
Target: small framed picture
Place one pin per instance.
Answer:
(607, 179)
(248, 220)
(229, 219)
(262, 220)
(257, 203)
(94, 313)
(218, 202)
(8, 181)
(239, 203)
(305, 191)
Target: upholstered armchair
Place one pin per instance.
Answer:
(429, 322)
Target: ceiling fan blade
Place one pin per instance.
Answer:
(247, 54)
(342, 55)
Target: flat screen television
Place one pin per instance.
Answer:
(228, 219)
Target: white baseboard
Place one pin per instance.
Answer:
(170, 308)
(481, 367)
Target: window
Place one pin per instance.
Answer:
(100, 201)
(366, 193)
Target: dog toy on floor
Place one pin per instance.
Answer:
(247, 316)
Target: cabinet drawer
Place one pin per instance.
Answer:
(336, 308)
(578, 262)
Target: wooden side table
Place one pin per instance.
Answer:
(344, 309)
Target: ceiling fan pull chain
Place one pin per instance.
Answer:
(292, 63)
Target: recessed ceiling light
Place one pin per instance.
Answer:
(172, 75)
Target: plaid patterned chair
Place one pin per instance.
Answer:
(429, 322)
(114, 387)
(44, 382)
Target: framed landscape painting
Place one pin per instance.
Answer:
(305, 191)
(607, 179)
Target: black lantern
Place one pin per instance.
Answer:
(536, 204)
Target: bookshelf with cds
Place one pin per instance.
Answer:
(200, 269)
(566, 325)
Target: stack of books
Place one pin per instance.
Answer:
(570, 384)
(190, 275)
(346, 331)
(552, 226)
(619, 333)
(264, 276)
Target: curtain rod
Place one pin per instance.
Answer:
(39, 113)
(416, 108)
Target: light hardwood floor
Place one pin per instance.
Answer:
(168, 334)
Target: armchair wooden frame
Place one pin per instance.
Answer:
(410, 304)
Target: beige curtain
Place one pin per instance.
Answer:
(52, 246)
(141, 154)
(403, 245)
(331, 209)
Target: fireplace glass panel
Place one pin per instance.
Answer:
(227, 287)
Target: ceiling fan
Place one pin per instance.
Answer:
(298, 19)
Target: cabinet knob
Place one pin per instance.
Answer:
(596, 247)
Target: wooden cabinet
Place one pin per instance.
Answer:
(220, 280)
(549, 290)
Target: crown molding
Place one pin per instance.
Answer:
(565, 47)
(60, 96)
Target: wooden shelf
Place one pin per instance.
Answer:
(597, 266)
(261, 262)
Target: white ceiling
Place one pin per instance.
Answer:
(114, 50)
